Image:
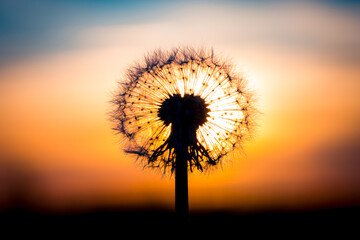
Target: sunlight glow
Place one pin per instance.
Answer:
(228, 122)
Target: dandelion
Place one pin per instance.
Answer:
(181, 111)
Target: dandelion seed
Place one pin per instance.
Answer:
(183, 104)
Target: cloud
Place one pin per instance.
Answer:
(301, 27)
(38, 27)
(34, 27)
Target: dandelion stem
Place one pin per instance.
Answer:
(181, 186)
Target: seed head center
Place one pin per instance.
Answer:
(189, 111)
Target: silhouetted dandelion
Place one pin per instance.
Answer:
(183, 110)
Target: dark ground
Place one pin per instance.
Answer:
(341, 221)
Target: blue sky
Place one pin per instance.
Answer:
(34, 27)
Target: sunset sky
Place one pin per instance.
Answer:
(60, 62)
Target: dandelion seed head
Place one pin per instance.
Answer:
(183, 94)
